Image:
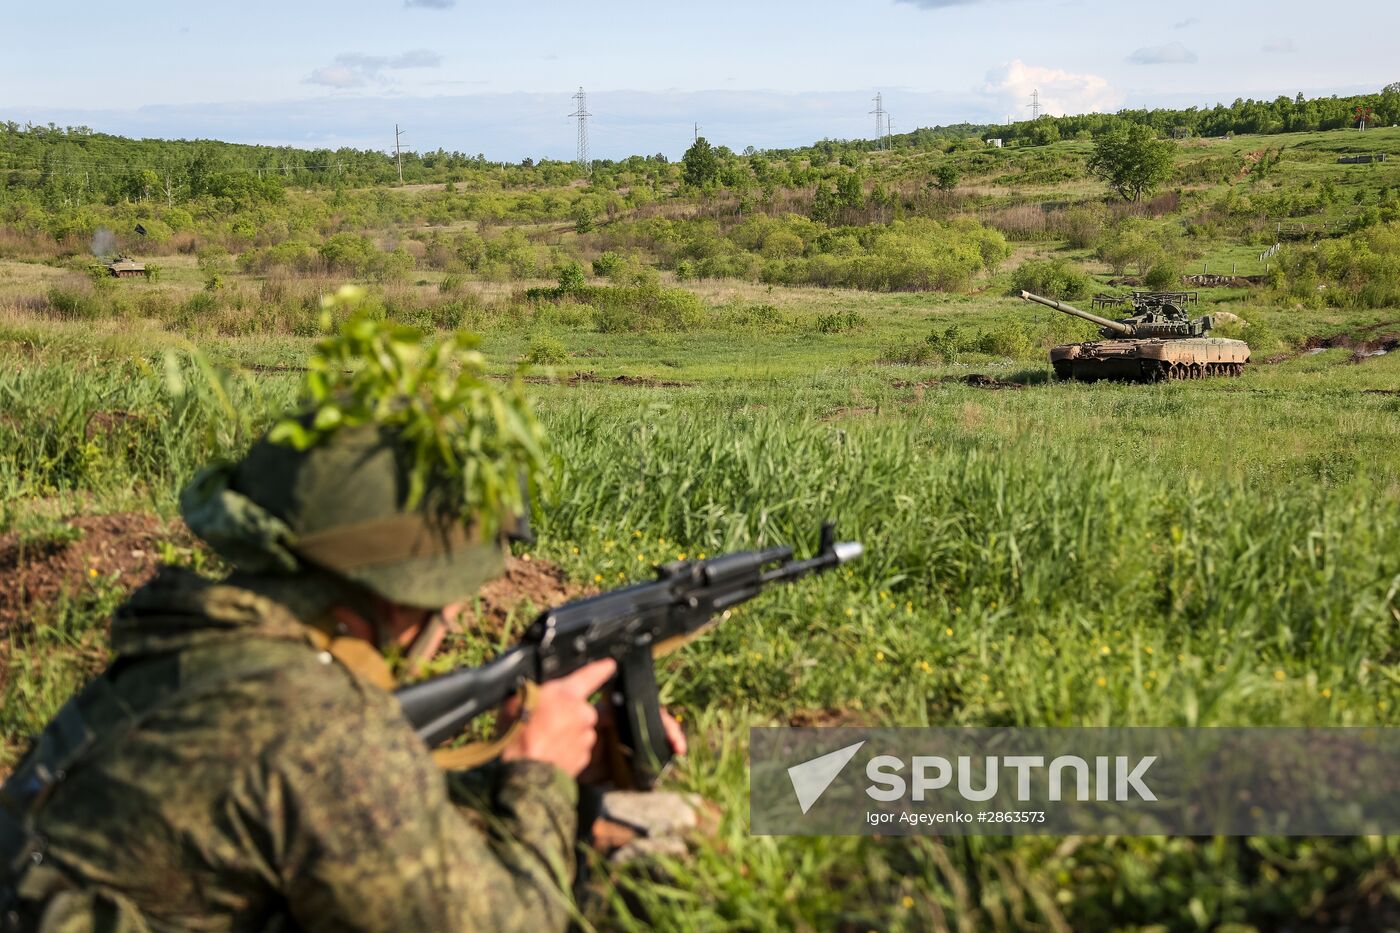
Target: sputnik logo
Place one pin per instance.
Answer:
(811, 778)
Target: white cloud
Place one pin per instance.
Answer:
(1173, 53)
(1279, 47)
(430, 4)
(938, 4)
(1061, 92)
(1186, 23)
(356, 69)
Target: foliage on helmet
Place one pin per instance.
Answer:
(469, 441)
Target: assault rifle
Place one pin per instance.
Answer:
(631, 625)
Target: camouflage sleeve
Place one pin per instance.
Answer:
(357, 824)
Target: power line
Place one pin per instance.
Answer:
(582, 115)
(1035, 104)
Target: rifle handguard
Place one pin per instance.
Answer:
(476, 754)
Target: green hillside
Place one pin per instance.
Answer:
(727, 350)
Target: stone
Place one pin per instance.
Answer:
(664, 847)
(653, 814)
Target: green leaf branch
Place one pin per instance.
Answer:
(469, 440)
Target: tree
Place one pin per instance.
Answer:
(1132, 160)
(700, 164)
(947, 176)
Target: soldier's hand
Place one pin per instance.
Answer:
(563, 727)
(599, 770)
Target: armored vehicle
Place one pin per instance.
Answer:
(1159, 341)
(124, 267)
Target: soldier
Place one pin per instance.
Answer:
(240, 765)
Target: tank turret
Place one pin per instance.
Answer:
(1159, 341)
(1152, 318)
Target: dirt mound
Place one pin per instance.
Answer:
(1206, 280)
(824, 718)
(1363, 343)
(641, 381)
(537, 583)
(585, 377)
(972, 380)
(837, 414)
(40, 568)
(979, 381)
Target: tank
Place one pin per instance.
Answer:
(1159, 341)
(124, 267)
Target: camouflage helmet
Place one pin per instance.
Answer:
(340, 507)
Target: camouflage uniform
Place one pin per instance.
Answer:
(226, 773)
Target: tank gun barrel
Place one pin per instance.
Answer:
(1116, 326)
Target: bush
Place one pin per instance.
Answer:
(780, 244)
(608, 265)
(908, 353)
(1083, 227)
(1261, 337)
(762, 318)
(614, 319)
(1052, 278)
(571, 278)
(839, 322)
(1164, 277)
(348, 253)
(393, 266)
(546, 351)
(1362, 270)
(1009, 340)
(72, 304)
(950, 343)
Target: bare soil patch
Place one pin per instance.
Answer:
(824, 717)
(974, 380)
(979, 381)
(113, 421)
(1364, 343)
(645, 382)
(837, 414)
(123, 549)
(527, 582)
(1208, 280)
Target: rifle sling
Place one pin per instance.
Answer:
(362, 659)
(663, 648)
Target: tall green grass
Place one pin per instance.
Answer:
(1060, 556)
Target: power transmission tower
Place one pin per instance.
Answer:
(880, 114)
(398, 150)
(697, 132)
(582, 115)
(1035, 104)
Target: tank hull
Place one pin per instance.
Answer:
(1150, 360)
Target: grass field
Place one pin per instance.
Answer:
(1038, 554)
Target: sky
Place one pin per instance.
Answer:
(499, 79)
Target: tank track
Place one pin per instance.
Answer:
(1160, 371)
